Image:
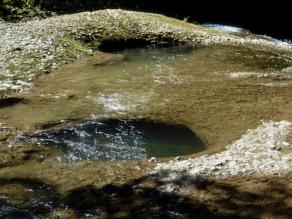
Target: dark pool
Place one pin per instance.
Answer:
(120, 140)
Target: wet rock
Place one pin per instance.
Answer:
(256, 152)
(26, 198)
(100, 58)
(20, 215)
(13, 153)
(152, 160)
(6, 131)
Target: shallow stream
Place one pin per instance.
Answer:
(137, 104)
(216, 92)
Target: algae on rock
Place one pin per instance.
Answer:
(33, 47)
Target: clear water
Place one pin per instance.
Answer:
(217, 92)
(120, 140)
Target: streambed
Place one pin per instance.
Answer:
(214, 93)
(217, 92)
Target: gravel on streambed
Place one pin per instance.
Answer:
(260, 151)
(31, 48)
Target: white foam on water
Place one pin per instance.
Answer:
(287, 70)
(226, 28)
(123, 102)
(233, 29)
(243, 74)
(169, 78)
(112, 102)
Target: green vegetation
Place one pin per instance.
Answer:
(18, 9)
(22, 9)
(73, 49)
(46, 44)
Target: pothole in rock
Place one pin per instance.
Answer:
(117, 45)
(119, 140)
(10, 101)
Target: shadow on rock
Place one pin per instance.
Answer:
(26, 198)
(10, 101)
(185, 197)
(246, 197)
(152, 196)
(266, 197)
(140, 198)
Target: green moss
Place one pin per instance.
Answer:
(73, 49)
(2, 77)
(78, 35)
(27, 68)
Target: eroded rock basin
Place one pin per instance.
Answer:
(217, 93)
(119, 140)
